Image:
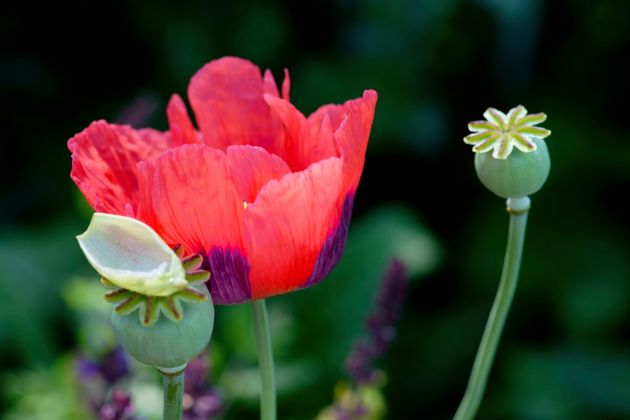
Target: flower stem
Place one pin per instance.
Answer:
(518, 209)
(173, 393)
(265, 360)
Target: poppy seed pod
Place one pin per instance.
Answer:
(519, 175)
(167, 344)
(519, 163)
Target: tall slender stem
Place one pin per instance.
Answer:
(173, 394)
(265, 360)
(518, 209)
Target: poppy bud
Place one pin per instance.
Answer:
(519, 175)
(167, 344)
(143, 273)
(131, 255)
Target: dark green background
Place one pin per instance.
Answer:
(436, 65)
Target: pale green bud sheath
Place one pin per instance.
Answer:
(147, 276)
(517, 167)
(132, 256)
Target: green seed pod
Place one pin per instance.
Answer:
(519, 175)
(167, 344)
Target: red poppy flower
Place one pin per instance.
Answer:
(262, 192)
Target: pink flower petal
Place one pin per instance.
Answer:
(269, 84)
(188, 196)
(181, 128)
(305, 142)
(353, 134)
(104, 158)
(286, 85)
(227, 98)
(287, 225)
(252, 167)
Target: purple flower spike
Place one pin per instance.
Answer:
(196, 375)
(119, 408)
(201, 400)
(87, 369)
(114, 365)
(97, 379)
(380, 325)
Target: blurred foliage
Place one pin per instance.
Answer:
(44, 393)
(301, 364)
(436, 64)
(365, 403)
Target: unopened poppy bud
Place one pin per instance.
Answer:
(167, 344)
(519, 163)
(131, 255)
(146, 276)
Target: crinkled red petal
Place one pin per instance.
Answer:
(227, 98)
(104, 158)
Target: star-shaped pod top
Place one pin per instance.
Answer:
(501, 133)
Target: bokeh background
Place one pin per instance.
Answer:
(436, 64)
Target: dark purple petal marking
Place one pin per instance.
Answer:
(332, 250)
(229, 282)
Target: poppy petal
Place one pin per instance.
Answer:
(287, 225)
(319, 139)
(252, 167)
(333, 247)
(180, 126)
(190, 199)
(190, 192)
(293, 122)
(335, 113)
(353, 134)
(269, 84)
(104, 158)
(305, 142)
(227, 98)
(286, 85)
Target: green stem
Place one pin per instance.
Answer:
(173, 394)
(265, 360)
(518, 209)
